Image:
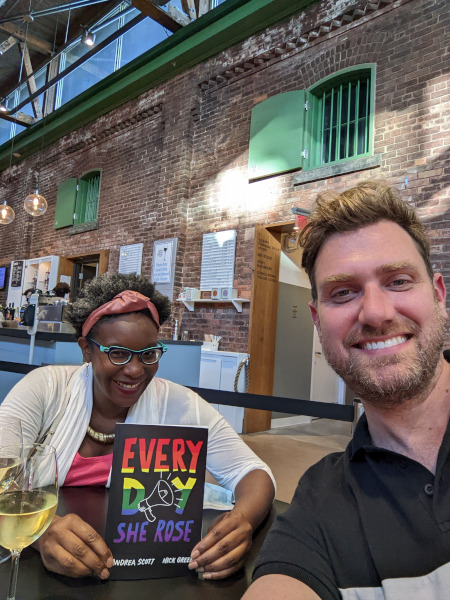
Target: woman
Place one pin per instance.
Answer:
(61, 289)
(116, 320)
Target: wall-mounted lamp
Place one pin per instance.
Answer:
(6, 214)
(35, 204)
(291, 242)
(88, 36)
(300, 211)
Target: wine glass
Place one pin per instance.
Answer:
(9, 434)
(29, 500)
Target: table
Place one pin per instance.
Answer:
(36, 583)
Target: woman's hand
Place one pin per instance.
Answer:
(72, 547)
(225, 547)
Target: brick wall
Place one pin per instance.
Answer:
(174, 161)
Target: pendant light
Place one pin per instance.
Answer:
(35, 204)
(88, 36)
(6, 214)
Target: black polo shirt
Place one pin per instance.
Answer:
(367, 523)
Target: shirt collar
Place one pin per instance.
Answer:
(361, 441)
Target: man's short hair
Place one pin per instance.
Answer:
(365, 204)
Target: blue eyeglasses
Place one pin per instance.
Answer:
(121, 356)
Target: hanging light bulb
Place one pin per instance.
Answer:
(35, 204)
(6, 214)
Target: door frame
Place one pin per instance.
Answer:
(67, 263)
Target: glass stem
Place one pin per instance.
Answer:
(15, 555)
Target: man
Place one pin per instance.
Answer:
(372, 522)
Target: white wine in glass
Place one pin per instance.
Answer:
(10, 433)
(28, 505)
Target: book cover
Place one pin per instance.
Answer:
(156, 499)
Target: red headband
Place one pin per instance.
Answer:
(125, 302)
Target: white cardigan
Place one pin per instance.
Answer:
(38, 398)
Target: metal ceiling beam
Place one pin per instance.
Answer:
(56, 54)
(149, 9)
(51, 11)
(77, 63)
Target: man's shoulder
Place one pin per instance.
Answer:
(326, 473)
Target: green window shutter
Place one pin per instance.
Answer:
(276, 135)
(65, 203)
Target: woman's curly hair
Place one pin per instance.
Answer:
(103, 288)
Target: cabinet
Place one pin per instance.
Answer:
(40, 273)
(217, 372)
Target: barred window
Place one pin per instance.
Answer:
(344, 120)
(329, 123)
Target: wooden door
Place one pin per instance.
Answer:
(65, 267)
(263, 323)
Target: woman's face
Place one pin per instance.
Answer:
(120, 386)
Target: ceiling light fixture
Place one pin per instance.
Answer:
(35, 204)
(88, 36)
(6, 214)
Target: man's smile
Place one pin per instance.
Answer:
(394, 341)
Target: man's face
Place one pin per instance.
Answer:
(379, 317)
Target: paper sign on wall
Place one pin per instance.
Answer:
(156, 499)
(130, 258)
(162, 261)
(218, 256)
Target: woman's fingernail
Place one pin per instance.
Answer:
(193, 565)
(206, 575)
(195, 554)
(104, 574)
(110, 562)
(200, 570)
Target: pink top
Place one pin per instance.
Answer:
(93, 470)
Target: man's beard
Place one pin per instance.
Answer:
(389, 381)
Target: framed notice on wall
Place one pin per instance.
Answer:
(130, 259)
(162, 261)
(163, 265)
(218, 254)
(16, 273)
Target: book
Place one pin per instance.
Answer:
(155, 503)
